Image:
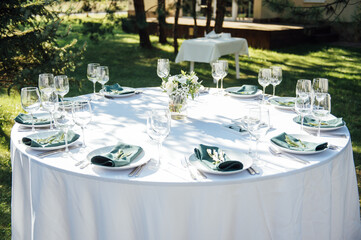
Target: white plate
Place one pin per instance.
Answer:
(322, 129)
(282, 106)
(233, 155)
(119, 95)
(259, 92)
(46, 134)
(39, 125)
(307, 138)
(139, 160)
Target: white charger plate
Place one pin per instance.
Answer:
(47, 134)
(229, 90)
(307, 138)
(322, 129)
(139, 160)
(119, 95)
(39, 115)
(233, 155)
(281, 106)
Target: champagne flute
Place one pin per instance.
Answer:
(82, 115)
(225, 71)
(158, 128)
(303, 105)
(217, 72)
(320, 88)
(50, 103)
(321, 109)
(30, 102)
(92, 76)
(276, 77)
(163, 68)
(46, 83)
(61, 87)
(264, 78)
(102, 77)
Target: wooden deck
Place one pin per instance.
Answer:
(258, 35)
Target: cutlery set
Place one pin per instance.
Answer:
(136, 171)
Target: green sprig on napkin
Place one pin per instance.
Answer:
(54, 140)
(288, 141)
(26, 119)
(283, 101)
(224, 166)
(311, 122)
(120, 155)
(116, 89)
(246, 90)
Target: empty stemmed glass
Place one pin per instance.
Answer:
(303, 105)
(61, 86)
(276, 77)
(30, 102)
(225, 71)
(321, 108)
(102, 76)
(264, 78)
(158, 128)
(303, 86)
(82, 115)
(163, 68)
(320, 88)
(217, 72)
(50, 103)
(91, 73)
(46, 83)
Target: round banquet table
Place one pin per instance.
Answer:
(54, 199)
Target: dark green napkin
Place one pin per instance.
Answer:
(57, 139)
(286, 101)
(206, 160)
(290, 142)
(116, 89)
(26, 119)
(235, 127)
(121, 155)
(311, 122)
(246, 90)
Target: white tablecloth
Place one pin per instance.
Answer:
(53, 199)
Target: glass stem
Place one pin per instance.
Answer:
(264, 92)
(82, 129)
(217, 83)
(319, 128)
(221, 84)
(94, 87)
(32, 122)
(66, 142)
(159, 151)
(274, 90)
(302, 117)
(51, 120)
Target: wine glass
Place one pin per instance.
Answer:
(158, 128)
(102, 77)
(225, 71)
(303, 86)
(320, 88)
(46, 83)
(61, 86)
(163, 68)
(64, 120)
(50, 103)
(264, 78)
(30, 102)
(217, 72)
(82, 115)
(91, 73)
(303, 105)
(321, 108)
(276, 77)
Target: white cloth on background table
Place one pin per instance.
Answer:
(53, 199)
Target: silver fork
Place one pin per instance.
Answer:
(277, 152)
(186, 165)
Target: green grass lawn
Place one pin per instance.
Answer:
(131, 66)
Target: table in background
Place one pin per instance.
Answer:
(207, 50)
(53, 199)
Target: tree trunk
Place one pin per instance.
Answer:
(175, 28)
(142, 24)
(161, 21)
(221, 8)
(194, 15)
(209, 15)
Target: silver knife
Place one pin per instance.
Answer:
(51, 152)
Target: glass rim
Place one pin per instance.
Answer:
(29, 88)
(46, 74)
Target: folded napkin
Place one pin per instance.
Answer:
(292, 143)
(235, 127)
(286, 101)
(213, 34)
(121, 155)
(225, 166)
(245, 90)
(54, 140)
(26, 119)
(311, 122)
(116, 89)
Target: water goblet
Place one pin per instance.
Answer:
(264, 78)
(158, 128)
(321, 108)
(225, 72)
(82, 115)
(92, 76)
(163, 68)
(30, 102)
(276, 77)
(50, 103)
(46, 83)
(320, 88)
(217, 72)
(303, 105)
(102, 77)
(61, 86)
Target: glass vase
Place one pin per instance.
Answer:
(178, 106)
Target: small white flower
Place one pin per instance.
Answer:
(169, 87)
(194, 79)
(182, 79)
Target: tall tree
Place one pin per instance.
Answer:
(175, 27)
(220, 11)
(209, 15)
(194, 15)
(142, 25)
(161, 21)
(28, 43)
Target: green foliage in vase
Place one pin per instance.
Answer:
(28, 43)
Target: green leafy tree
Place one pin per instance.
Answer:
(28, 43)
